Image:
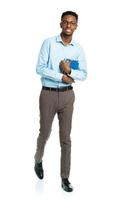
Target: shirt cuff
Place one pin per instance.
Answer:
(60, 77)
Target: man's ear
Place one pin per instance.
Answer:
(76, 27)
(61, 24)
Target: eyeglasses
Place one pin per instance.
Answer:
(72, 23)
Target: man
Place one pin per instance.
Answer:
(57, 95)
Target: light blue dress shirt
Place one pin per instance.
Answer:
(51, 53)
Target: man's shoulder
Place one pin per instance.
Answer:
(48, 42)
(50, 39)
(77, 44)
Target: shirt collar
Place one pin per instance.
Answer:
(59, 39)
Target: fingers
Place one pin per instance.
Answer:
(67, 79)
(65, 66)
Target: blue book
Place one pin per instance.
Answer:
(74, 64)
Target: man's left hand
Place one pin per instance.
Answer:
(65, 66)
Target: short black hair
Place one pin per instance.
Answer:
(69, 13)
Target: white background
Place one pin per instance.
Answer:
(96, 140)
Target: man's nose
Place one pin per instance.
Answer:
(68, 24)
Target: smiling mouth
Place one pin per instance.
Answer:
(68, 30)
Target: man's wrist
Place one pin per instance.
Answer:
(69, 72)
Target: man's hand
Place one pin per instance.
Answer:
(67, 79)
(65, 67)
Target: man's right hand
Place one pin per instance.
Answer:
(67, 79)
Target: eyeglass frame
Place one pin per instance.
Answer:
(65, 23)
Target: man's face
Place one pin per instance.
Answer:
(68, 25)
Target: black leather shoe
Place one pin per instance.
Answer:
(39, 170)
(66, 185)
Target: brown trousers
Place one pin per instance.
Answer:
(60, 103)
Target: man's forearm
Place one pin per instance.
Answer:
(49, 73)
(79, 74)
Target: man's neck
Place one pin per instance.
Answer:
(66, 39)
